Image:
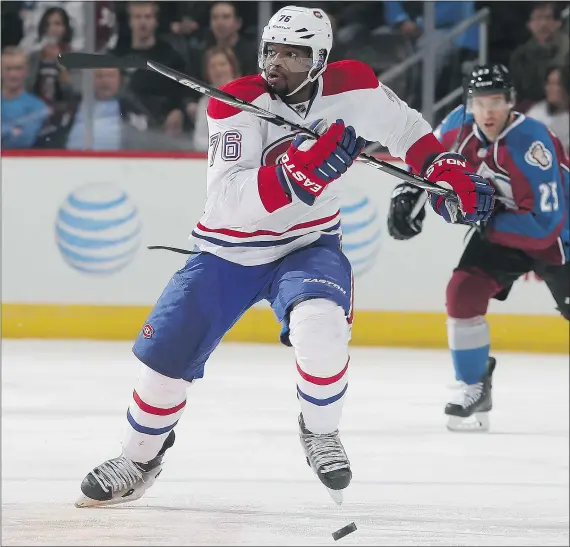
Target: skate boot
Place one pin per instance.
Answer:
(326, 456)
(470, 412)
(121, 480)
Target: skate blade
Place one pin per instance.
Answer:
(336, 495)
(478, 423)
(85, 502)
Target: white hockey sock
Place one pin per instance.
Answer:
(319, 332)
(157, 404)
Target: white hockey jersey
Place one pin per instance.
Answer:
(236, 225)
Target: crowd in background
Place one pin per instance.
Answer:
(42, 103)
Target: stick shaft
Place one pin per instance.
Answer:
(76, 60)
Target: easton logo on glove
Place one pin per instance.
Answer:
(309, 164)
(299, 176)
(475, 199)
(446, 161)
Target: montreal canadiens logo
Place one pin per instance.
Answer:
(274, 152)
(147, 331)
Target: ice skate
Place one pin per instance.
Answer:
(470, 412)
(326, 456)
(121, 480)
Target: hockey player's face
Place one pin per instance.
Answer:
(286, 67)
(490, 113)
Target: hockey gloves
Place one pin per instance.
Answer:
(404, 199)
(309, 165)
(475, 194)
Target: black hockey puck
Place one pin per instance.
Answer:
(348, 529)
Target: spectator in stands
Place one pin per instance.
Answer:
(12, 29)
(187, 22)
(162, 97)
(23, 114)
(47, 78)
(547, 47)
(24, 18)
(553, 111)
(106, 27)
(225, 25)
(452, 57)
(115, 117)
(31, 13)
(407, 17)
(220, 67)
(353, 21)
(507, 29)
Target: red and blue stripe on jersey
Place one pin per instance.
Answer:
(258, 238)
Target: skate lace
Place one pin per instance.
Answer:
(470, 394)
(116, 474)
(325, 451)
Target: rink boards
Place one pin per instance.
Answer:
(75, 263)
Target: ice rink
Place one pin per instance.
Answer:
(237, 475)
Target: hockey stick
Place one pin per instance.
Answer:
(75, 60)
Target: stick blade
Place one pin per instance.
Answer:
(73, 60)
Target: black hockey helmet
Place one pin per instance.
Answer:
(489, 80)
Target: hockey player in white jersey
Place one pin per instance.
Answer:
(271, 231)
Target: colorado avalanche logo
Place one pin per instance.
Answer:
(272, 154)
(539, 155)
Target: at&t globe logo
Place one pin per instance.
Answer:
(98, 229)
(361, 229)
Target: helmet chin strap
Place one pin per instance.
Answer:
(307, 80)
(508, 121)
(301, 85)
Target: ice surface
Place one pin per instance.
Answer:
(237, 475)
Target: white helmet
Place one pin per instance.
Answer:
(308, 27)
